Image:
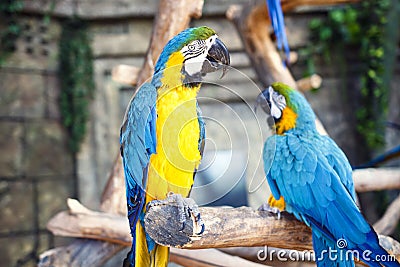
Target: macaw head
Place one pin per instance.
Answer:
(190, 55)
(288, 108)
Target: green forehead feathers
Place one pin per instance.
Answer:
(191, 34)
(203, 32)
(286, 91)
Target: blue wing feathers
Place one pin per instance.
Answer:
(272, 170)
(150, 134)
(310, 162)
(307, 198)
(273, 187)
(202, 126)
(138, 142)
(339, 163)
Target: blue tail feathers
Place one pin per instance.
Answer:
(374, 255)
(328, 254)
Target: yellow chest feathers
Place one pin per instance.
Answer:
(287, 121)
(177, 156)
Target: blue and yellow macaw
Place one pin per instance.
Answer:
(162, 136)
(310, 177)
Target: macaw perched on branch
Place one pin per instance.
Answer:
(310, 177)
(278, 24)
(162, 136)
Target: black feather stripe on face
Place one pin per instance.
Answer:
(194, 49)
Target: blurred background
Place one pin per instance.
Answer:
(60, 110)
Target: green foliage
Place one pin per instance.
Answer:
(76, 76)
(9, 10)
(341, 27)
(358, 28)
(374, 89)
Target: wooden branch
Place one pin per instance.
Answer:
(113, 199)
(84, 223)
(293, 57)
(81, 222)
(289, 5)
(82, 252)
(228, 227)
(387, 224)
(376, 179)
(253, 23)
(312, 82)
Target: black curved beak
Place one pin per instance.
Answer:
(263, 101)
(218, 57)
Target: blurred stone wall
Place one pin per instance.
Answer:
(37, 172)
(36, 168)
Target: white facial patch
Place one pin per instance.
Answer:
(195, 54)
(278, 103)
(194, 65)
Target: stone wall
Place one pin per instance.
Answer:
(36, 168)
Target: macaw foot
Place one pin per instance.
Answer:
(187, 207)
(273, 210)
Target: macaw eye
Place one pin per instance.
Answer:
(281, 98)
(278, 101)
(191, 47)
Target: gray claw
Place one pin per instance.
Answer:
(183, 227)
(273, 210)
(195, 213)
(200, 223)
(203, 227)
